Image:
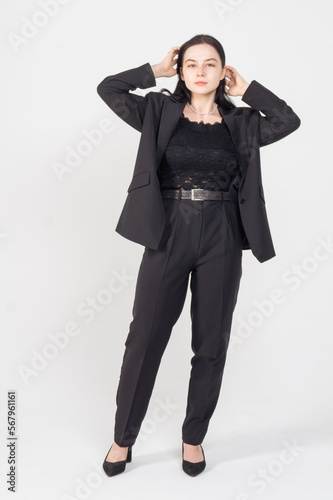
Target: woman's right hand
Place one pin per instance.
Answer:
(165, 68)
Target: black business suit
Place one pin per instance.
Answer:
(204, 241)
(156, 115)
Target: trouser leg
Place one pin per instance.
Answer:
(214, 285)
(159, 298)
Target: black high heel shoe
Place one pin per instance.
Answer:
(114, 468)
(193, 468)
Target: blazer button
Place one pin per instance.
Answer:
(242, 200)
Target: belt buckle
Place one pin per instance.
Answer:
(195, 194)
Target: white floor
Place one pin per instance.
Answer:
(242, 464)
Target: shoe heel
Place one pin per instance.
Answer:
(129, 454)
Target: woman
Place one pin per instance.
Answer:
(195, 202)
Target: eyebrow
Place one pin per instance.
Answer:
(210, 59)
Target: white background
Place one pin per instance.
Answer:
(58, 247)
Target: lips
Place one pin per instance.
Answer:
(200, 83)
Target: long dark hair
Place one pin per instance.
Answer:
(181, 92)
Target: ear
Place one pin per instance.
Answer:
(181, 73)
(223, 73)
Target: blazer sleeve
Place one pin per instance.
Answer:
(279, 120)
(114, 90)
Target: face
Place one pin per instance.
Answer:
(202, 63)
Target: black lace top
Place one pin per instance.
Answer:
(199, 155)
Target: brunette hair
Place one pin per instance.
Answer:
(181, 92)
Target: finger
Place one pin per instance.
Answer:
(230, 70)
(173, 52)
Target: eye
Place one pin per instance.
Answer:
(209, 64)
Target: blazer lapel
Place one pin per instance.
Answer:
(236, 125)
(170, 115)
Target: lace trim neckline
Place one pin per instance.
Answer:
(201, 122)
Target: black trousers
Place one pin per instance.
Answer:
(201, 240)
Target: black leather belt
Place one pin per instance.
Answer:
(195, 194)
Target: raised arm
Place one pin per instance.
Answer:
(114, 90)
(279, 121)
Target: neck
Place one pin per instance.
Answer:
(202, 103)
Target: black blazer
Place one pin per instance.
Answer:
(155, 115)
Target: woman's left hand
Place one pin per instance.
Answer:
(237, 85)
